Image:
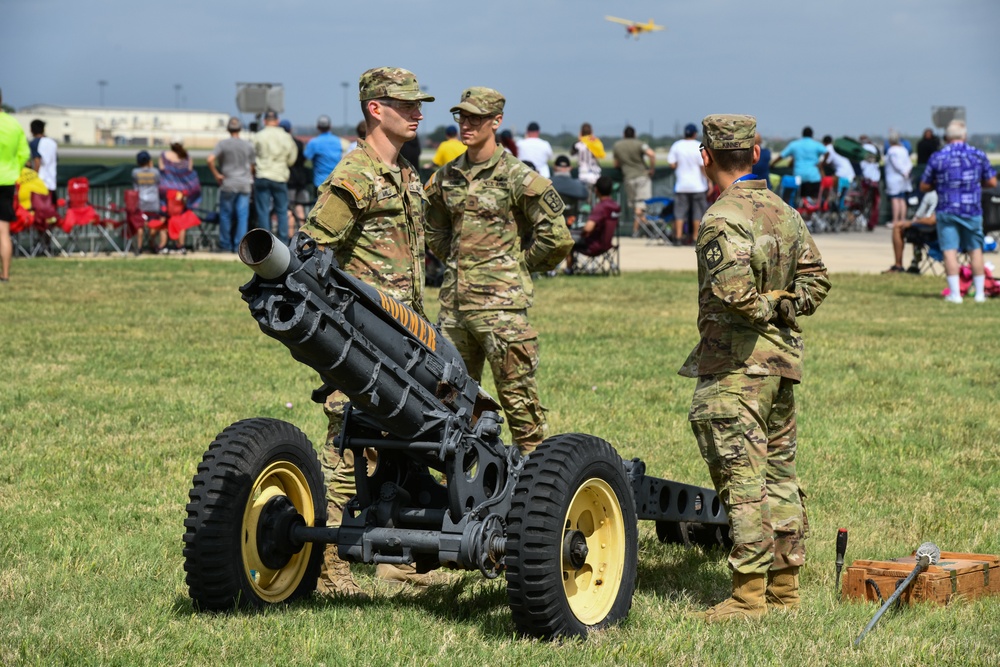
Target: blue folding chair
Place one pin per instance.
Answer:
(659, 220)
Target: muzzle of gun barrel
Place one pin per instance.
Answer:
(265, 254)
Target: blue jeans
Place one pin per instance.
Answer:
(271, 195)
(230, 231)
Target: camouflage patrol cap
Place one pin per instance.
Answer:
(728, 131)
(390, 82)
(480, 101)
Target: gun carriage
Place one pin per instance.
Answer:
(559, 524)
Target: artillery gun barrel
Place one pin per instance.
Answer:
(388, 360)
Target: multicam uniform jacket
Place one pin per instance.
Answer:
(372, 216)
(750, 243)
(493, 225)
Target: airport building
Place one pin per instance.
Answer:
(126, 126)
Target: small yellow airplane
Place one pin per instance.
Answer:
(635, 28)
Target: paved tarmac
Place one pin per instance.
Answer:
(848, 252)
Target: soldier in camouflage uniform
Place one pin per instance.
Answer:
(493, 222)
(370, 211)
(758, 270)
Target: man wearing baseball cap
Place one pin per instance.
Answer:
(370, 212)
(690, 184)
(324, 151)
(493, 221)
(758, 271)
(275, 152)
(232, 164)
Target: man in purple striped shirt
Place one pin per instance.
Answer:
(959, 172)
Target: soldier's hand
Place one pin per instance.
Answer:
(780, 294)
(786, 313)
(784, 306)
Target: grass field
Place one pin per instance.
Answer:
(119, 373)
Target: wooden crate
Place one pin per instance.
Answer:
(968, 575)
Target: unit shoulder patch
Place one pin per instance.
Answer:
(712, 254)
(553, 202)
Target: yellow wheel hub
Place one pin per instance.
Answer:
(591, 589)
(278, 479)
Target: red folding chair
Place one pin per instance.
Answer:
(81, 214)
(179, 218)
(44, 217)
(139, 223)
(20, 224)
(817, 212)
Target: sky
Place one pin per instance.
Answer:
(841, 66)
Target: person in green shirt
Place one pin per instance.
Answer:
(14, 153)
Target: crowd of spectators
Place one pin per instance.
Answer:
(270, 170)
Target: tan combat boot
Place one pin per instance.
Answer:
(747, 601)
(335, 578)
(407, 574)
(783, 589)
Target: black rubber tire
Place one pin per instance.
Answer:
(548, 485)
(219, 576)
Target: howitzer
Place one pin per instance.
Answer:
(560, 524)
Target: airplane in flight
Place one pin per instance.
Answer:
(635, 28)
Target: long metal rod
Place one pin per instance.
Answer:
(927, 554)
(892, 598)
(380, 443)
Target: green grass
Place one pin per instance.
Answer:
(119, 373)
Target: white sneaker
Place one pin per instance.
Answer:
(980, 298)
(953, 298)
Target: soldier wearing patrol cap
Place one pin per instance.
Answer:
(758, 271)
(494, 221)
(370, 212)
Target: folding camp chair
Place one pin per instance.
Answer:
(855, 208)
(139, 223)
(601, 255)
(20, 226)
(179, 219)
(820, 213)
(204, 237)
(659, 223)
(44, 218)
(81, 214)
(607, 263)
(927, 255)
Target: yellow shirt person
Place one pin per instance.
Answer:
(450, 148)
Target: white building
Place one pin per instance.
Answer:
(108, 126)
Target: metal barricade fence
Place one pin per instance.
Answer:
(109, 201)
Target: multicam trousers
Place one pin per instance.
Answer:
(507, 341)
(745, 428)
(338, 471)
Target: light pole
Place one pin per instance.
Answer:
(177, 95)
(100, 86)
(344, 85)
